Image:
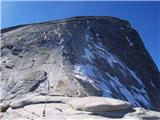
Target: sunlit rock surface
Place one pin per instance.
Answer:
(65, 108)
(77, 57)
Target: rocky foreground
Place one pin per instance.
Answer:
(38, 107)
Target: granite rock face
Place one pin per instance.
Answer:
(77, 57)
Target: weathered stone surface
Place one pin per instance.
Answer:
(9, 63)
(53, 111)
(99, 104)
(37, 100)
(142, 114)
(30, 82)
(77, 57)
(57, 108)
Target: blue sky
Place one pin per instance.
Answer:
(144, 16)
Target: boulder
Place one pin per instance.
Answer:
(142, 114)
(37, 100)
(99, 104)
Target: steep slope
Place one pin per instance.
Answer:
(80, 56)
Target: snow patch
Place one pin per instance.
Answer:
(58, 31)
(84, 69)
(122, 28)
(129, 41)
(97, 35)
(85, 72)
(141, 96)
(45, 35)
(152, 84)
(90, 73)
(84, 78)
(88, 25)
(106, 90)
(88, 54)
(131, 96)
(111, 59)
(135, 77)
(87, 36)
(80, 77)
(123, 72)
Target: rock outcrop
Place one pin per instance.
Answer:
(98, 104)
(77, 57)
(65, 108)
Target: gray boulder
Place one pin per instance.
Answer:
(99, 104)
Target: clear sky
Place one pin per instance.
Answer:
(143, 16)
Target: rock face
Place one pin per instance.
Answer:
(80, 56)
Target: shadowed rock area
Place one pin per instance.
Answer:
(64, 64)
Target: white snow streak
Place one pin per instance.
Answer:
(106, 90)
(131, 96)
(111, 59)
(129, 41)
(86, 72)
(88, 54)
(122, 71)
(135, 77)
